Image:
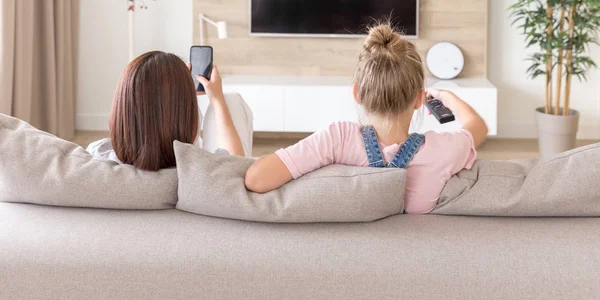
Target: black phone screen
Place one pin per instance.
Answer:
(201, 58)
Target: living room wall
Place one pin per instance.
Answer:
(518, 95)
(103, 49)
(103, 55)
(463, 22)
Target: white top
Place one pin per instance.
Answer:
(241, 115)
(103, 149)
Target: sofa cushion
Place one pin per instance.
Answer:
(37, 167)
(213, 185)
(95, 254)
(561, 186)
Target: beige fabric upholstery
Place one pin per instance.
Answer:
(37, 63)
(213, 185)
(565, 185)
(68, 253)
(37, 167)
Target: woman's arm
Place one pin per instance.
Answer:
(227, 136)
(266, 174)
(471, 121)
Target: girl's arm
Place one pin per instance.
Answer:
(320, 149)
(471, 121)
(227, 136)
(266, 174)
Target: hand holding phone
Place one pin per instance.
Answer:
(213, 87)
(201, 58)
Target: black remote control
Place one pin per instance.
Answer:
(439, 111)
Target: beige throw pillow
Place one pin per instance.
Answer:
(566, 185)
(37, 167)
(213, 185)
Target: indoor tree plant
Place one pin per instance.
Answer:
(560, 32)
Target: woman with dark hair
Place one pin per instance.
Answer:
(155, 103)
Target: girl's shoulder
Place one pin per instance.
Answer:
(344, 128)
(449, 138)
(452, 150)
(346, 125)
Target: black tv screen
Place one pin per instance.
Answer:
(329, 17)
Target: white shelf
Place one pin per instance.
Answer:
(288, 80)
(307, 104)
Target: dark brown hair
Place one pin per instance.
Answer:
(390, 72)
(154, 104)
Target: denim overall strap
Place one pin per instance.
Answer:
(408, 149)
(372, 146)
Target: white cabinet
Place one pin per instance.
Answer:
(478, 93)
(266, 104)
(311, 109)
(307, 104)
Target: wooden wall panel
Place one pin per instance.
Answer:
(462, 22)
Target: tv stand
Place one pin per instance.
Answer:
(307, 104)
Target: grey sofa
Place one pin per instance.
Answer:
(83, 253)
(122, 238)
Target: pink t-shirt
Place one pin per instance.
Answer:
(441, 156)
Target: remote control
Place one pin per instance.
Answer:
(439, 111)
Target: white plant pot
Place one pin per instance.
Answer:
(556, 134)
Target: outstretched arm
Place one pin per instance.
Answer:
(471, 121)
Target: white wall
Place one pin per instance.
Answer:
(167, 25)
(518, 96)
(103, 48)
(179, 27)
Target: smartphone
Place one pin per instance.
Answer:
(201, 58)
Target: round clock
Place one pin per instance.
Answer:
(445, 60)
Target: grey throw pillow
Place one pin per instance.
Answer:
(561, 186)
(213, 185)
(37, 167)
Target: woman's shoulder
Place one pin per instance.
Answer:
(99, 146)
(103, 148)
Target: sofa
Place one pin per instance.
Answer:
(84, 253)
(74, 227)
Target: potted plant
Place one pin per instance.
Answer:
(560, 32)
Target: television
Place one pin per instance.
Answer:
(330, 18)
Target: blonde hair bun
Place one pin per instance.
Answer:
(383, 39)
(389, 75)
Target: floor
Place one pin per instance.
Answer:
(266, 143)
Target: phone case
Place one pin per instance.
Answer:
(194, 69)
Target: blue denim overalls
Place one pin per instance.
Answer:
(408, 149)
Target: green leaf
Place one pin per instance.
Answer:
(530, 16)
